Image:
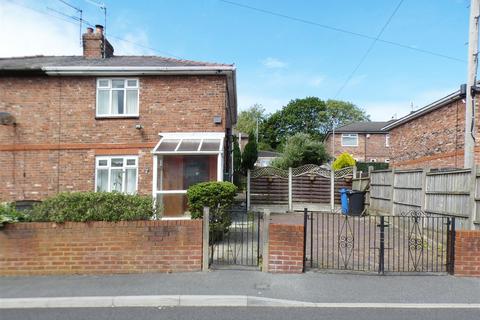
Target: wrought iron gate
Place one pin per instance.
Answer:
(238, 243)
(411, 242)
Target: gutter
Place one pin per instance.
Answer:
(113, 71)
(428, 108)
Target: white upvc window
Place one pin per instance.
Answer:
(117, 97)
(116, 173)
(387, 140)
(387, 160)
(349, 140)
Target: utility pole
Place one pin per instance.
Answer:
(469, 147)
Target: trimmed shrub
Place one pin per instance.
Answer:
(343, 161)
(8, 214)
(218, 196)
(93, 206)
(250, 153)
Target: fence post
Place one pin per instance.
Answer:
(206, 238)
(290, 190)
(248, 189)
(265, 239)
(332, 189)
(473, 195)
(392, 204)
(354, 172)
(424, 189)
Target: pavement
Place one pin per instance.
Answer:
(240, 288)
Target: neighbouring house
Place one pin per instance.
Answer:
(265, 158)
(432, 136)
(99, 122)
(366, 141)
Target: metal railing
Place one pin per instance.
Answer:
(413, 242)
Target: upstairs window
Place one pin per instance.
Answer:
(116, 174)
(349, 140)
(387, 140)
(117, 97)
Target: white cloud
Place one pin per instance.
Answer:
(316, 81)
(27, 32)
(274, 63)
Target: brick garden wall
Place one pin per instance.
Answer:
(467, 253)
(100, 247)
(285, 248)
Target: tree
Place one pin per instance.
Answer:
(310, 115)
(250, 153)
(301, 149)
(339, 113)
(247, 119)
(299, 115)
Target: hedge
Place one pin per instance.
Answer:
(93, 206)
(363, 166)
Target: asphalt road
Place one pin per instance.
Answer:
(238, 314)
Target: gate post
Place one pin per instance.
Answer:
(381, 257)
(206, 234)
(248, 189)
(265, 240)
(290, 190)
(451, 245)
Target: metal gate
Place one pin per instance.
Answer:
(238, 243)
(412, 242)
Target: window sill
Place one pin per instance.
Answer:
(116, 117)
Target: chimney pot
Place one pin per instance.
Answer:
(89, 30)
(99, 28)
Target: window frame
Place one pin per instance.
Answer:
(351, 135)
(109, 167)
(110, 90)
(387, 140)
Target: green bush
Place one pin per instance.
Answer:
(363, 166)
(300, 149)
(343, 161)
(93, 206)
(218, 196)
(8, 214)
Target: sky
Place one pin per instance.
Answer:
(283, 50)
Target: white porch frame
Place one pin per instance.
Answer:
(157, 155)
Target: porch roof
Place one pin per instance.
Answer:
(190, 143)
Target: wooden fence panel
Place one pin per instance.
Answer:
(271, 190)
(407, 195)
(381, 191)
(448, 193)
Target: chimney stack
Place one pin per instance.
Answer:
(95, 46)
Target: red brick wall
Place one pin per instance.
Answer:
(54, 144)
(101, 247)
(467, 253)
(369, 148)
(285, 248)
(433, 140)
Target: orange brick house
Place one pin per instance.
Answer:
(364, 140)
(432, 136)
(99, 122)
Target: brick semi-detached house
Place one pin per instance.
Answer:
(432, 136)
(99, 122)
(364, 140)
